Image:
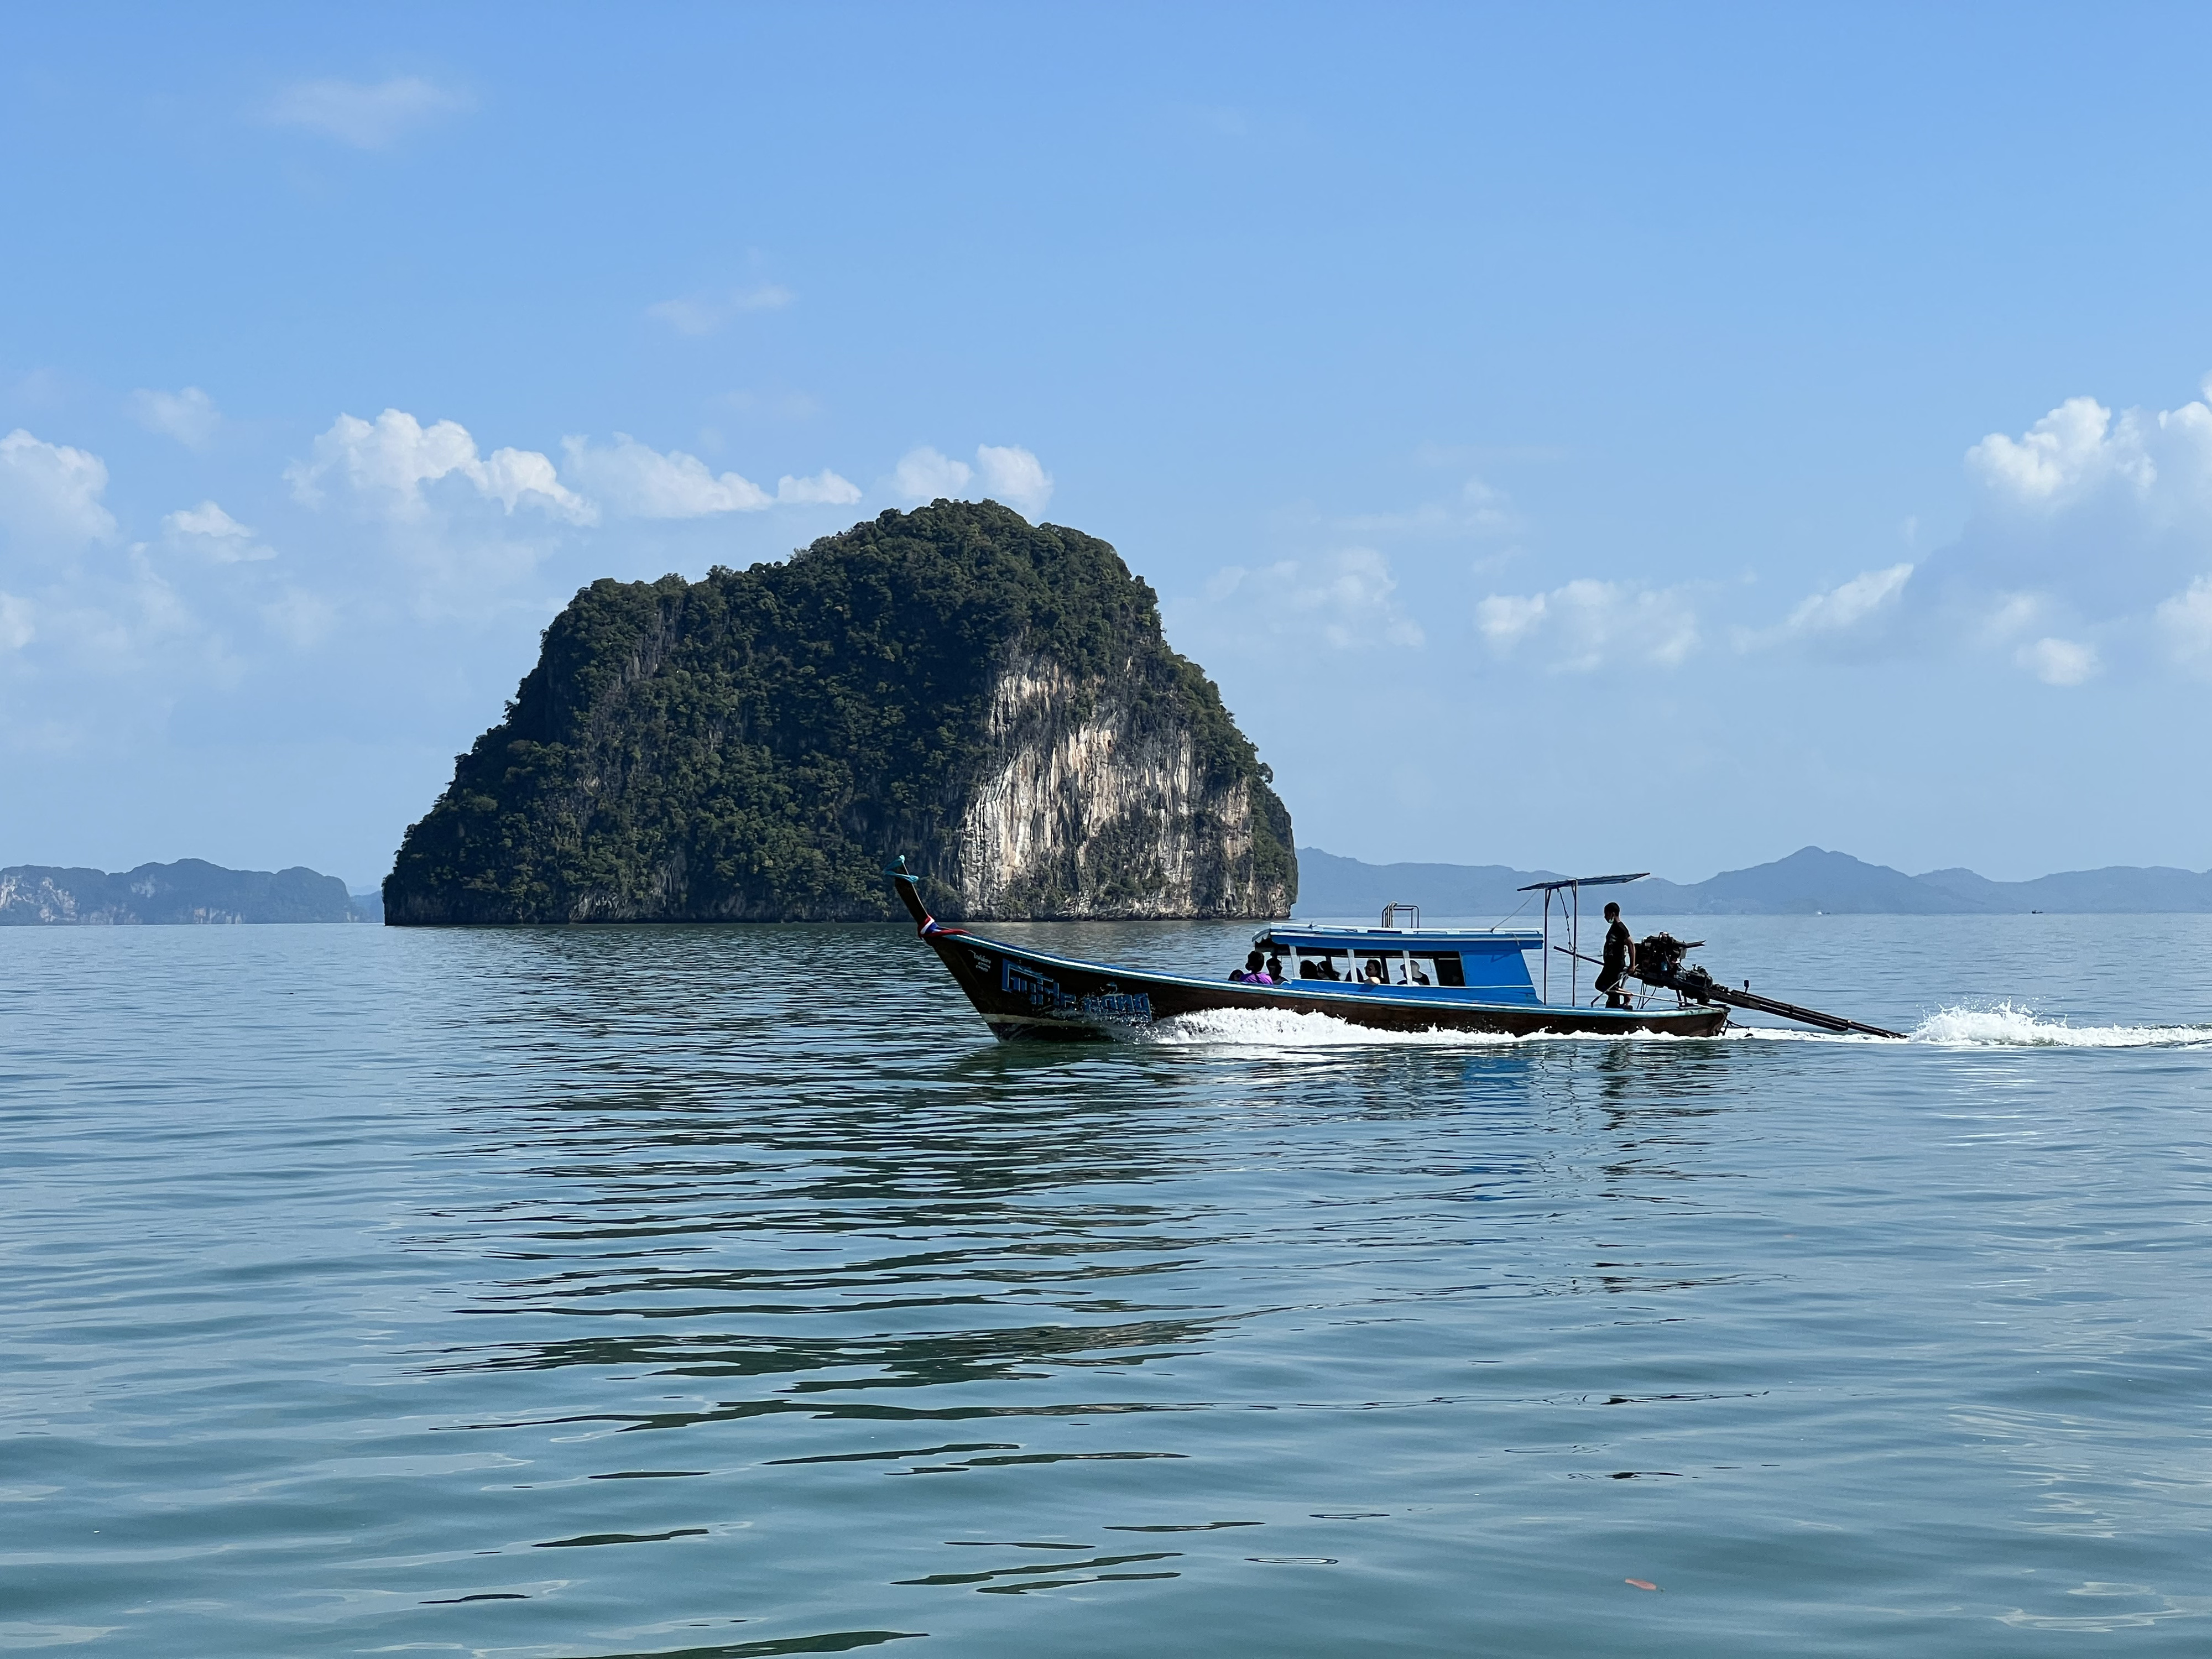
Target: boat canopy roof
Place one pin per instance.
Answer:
(1581, 881)
(1420, 941)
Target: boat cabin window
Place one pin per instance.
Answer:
(1414, 967)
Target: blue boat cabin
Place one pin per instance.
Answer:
(1470, 964)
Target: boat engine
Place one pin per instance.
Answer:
(1664, 953)
(1659, 961)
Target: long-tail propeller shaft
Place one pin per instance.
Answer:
(1659, 961)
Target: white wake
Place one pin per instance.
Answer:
(1285, 1028)
(2001, 1025)
(2004, 1026)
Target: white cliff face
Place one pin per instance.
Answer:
(1086, 808)
(38, 898)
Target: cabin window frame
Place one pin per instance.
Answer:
(1446, 968)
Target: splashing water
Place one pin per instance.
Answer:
(1284, 1028)
(2002, 1026)
(1271, 1028)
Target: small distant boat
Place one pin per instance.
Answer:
(1430, 979)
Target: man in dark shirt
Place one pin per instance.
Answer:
(1618, 950)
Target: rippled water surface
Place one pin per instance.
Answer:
(728, 1292)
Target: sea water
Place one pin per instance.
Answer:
(726, 1292)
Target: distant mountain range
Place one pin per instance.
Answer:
(1809, 881)
(189, 890)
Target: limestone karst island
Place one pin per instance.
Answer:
(992, 699)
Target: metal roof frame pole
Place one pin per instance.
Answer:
(1575, 885)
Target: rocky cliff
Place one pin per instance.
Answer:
(992, 699)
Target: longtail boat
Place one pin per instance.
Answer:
(1430, 979)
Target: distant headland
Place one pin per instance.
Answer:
(189, 890)
(991, 699)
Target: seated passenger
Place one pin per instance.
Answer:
(1275, 969)
(1375, 973)
(1309, 969)
(1250, 971)
(1420, 978)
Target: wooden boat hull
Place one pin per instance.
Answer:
(1031, 996)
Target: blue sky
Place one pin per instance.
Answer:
(1577, 437)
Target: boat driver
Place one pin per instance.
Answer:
(1620, 951)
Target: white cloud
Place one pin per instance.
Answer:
(2185, 620)
(387, 463)
(2090, 528)
(1849, 604)
(637, 480)
(1014, 477)
(161, 611)
(51, 493)
(643, 483)
(2081, 445)
(1506, 619)
(923, 475)
(1869, 595)
(391, 459)
(109, 619)
(1480, 509)
(300, 618)
(368, 117)
(2057, 662)
(1009, 474)
(119, 621)
(825, 489)
(15, 629)
(1589, 624)
(2085, 497)
(1346, 599)
(442, 508)
(190, 416)
(213, 534)
(2007, 617)
(511, 476)
(704, 313)
(2072, 449)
